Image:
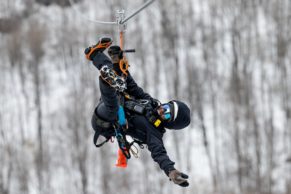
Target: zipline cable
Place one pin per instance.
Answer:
(137, 11)
(120, 20)
(91, 20)
(115, 22)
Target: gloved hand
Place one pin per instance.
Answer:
(115, 81)
(115, 50)
(155, 103)
(102, 44)
(178, 178)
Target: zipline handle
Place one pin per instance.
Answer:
(129, 51)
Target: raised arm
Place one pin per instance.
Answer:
(136, 91)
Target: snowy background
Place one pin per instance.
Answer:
(229, 60)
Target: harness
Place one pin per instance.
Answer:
(119, 130)
(130, 106)
(128, 103)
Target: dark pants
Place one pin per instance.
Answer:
(140, 128)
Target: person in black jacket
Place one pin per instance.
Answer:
(115, 82)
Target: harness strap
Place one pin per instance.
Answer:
(122, 142)
(100, 144)
(119, 133)
(100, 122)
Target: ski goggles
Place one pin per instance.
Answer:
(166, 111)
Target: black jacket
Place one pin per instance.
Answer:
(109, 95)
(139, 128)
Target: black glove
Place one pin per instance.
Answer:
(178, 178)
(115, 81)
(115, 50)
(155, 103)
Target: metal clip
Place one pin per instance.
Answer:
(134, 152)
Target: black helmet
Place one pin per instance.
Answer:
(180, 115)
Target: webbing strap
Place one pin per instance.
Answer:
(96, 135)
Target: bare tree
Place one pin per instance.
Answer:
(6, 176)
(236, 85)
(36, 38)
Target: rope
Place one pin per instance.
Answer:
(121, 39)
(91, 20)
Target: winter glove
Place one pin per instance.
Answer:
(178, 178)
(115, 50)
(115, 81)
(101, 45)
